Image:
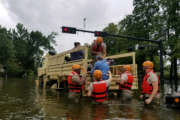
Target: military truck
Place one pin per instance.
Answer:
(56, 68)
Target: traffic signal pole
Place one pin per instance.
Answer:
(161, 65)
(104, 34)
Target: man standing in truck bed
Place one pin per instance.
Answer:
(98, 48)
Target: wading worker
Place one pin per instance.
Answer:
(98, 89)
(150, 85)
(125, 82)
(98, 48)
(75, 82)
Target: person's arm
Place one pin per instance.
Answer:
(90, 90)
(154, 92)
(154, 81)
(83, 79)
(108, 82)
(104, 51)
(110, 76)
(94, 68)
(76, 79)
(123, 79)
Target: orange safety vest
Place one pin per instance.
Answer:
(97, 48)
(74, 87)
(148, 88)
(128, 84)
(99, 92)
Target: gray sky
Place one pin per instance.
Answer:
(50, 15)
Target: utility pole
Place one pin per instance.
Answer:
(84, 23)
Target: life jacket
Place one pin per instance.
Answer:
(146, 87)
(128, 84)
(97, 48)
(99, 92)
(74, 87)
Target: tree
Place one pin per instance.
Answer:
(30, 46)
(6, 46)
(170, 11)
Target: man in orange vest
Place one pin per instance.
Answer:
(125, 82)
(98, 89)
(151, 84)
(98, 48)
(75, 82)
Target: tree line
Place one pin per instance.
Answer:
(21, 50)
(150, 19)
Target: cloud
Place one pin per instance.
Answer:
(5, 19)
(50, 15)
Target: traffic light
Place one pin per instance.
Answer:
(99, 33)
(68, 30)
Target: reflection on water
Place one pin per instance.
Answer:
(20, 100)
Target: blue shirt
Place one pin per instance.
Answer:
(103, 66)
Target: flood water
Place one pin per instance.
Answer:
(21, 100)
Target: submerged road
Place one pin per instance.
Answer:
(21, 100)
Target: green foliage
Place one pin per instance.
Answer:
(6, 46)
(22, 50)
(151, 19)
(14, 68)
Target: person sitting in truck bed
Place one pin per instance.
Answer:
(78, 54)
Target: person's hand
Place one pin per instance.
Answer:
(122, 82)
(148, 101)
(98, 53)
(118, 82)
(109, 72)
(141, 96)
(84, 75)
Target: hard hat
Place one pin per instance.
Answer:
(127, 67)
(148, 64)
(99, 40)
(76, 66)
(97, 74)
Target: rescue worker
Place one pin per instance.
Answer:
(98, 47)
(75, 82)
(150, 85)
(102, 65)
(98, 89)
(125, 82)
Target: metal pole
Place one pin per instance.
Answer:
(84, 23)
(161, 67)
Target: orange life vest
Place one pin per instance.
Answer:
(99, 92)
(97, 48)
(148, 88)
(128, 84)
(74, 87)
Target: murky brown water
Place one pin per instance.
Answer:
(20, 100)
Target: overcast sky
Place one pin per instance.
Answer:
(49, 15)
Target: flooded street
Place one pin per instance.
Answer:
(21, 100)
